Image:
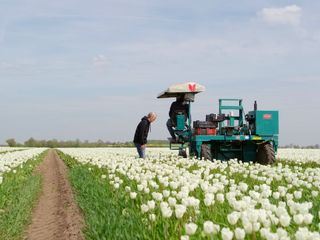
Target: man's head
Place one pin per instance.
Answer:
(152, 116)
(180, 98)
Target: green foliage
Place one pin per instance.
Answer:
(11, 142)
(18, 192)
(54, 143)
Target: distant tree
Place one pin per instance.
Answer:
(99, 143)
(11, 142)
(51, 143)
(31, 142)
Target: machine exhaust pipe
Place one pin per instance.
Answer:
(255, 106)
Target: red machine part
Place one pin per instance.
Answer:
(205, 131)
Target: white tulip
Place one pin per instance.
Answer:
(226, 234)
(282, 234)
(285, 220)
(146, 190)
(180, 210)
(307, 218)
(151, 204)
(172, 201)
(184, 237)
(276, 195)
(248, 227)
(298, 219)
(133, 195)
(144, 208)
(152, 217)
(166, 193)
(220, 197)
(233, 218)
(190, 228)
(256, 226)
(140, 187)
(208, 228)
(297, 194)
(239, 233)
(157, 196)
(165, 210)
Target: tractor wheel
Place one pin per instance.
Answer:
(183, 153)
(206, 153)
(265, 154)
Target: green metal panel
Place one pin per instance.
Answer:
(267, 123)
(249, 151)
(231, 107)
(180, 122)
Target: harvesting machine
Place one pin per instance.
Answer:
(228, 134)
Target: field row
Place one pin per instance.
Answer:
(11, 149)
(13, 159)
(178, 198)
(19, 188)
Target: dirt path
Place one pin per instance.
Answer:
(56, 215)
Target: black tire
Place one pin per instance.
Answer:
(265, 154)
(206, 152)
(183, 153)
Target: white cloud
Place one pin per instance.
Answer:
(100, 61)
(5, 65)
(289, 15)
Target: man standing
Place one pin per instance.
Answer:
(179, 106)
(141, 134)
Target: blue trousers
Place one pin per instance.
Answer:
(141, 151)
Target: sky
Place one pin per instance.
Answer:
(92, 69)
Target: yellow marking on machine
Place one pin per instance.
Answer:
(256, 138)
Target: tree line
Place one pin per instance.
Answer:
(54, 143)
(315, 146)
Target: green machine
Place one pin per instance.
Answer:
(229, 134)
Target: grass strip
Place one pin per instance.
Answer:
(18, 193)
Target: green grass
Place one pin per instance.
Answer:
(18, 193)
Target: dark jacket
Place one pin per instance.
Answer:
(176, 107)
(142, 131)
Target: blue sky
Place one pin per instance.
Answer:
(91, 69)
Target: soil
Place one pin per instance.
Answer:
(56, 215)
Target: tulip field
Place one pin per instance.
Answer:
(168, 197)
(10, 149)
(12, 158)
